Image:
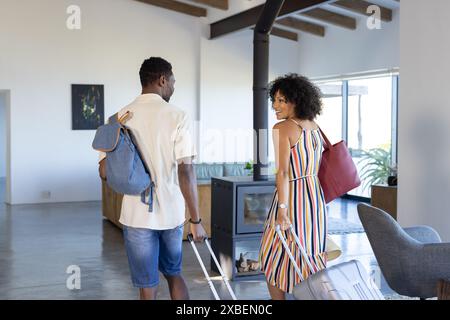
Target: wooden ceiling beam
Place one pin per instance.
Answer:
(336, 19)
(178, 7)
(284, 34)
(361, 6)
(248, 18)
(218, 4)
(304, 26)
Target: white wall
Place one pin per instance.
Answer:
(226, 96)
(40, 59)
(424, 116)
(2, 136)
(344, 51)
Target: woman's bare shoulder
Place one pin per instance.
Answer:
(284, 124)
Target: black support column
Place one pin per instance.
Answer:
(260, 80)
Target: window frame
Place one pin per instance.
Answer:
(394, 75)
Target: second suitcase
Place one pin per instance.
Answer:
(344, 281)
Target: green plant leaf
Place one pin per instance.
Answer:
(376, 167)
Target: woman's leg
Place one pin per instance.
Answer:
(276, 293)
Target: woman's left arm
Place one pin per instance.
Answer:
(282, 149)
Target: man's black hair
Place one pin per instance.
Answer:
(153, 68)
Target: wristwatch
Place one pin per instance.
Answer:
(282, 206)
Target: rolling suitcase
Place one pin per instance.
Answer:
(344, 281)
(224, 277)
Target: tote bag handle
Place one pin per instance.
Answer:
(328, 144)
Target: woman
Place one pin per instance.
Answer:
(298, 197)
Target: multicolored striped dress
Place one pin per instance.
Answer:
(307, 212)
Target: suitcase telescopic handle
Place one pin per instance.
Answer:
(294, 263)
(190, 237)
(224, 277)
(300, 247)
(211, 285)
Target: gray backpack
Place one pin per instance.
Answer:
(126, 172)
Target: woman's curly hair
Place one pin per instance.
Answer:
(301, 92)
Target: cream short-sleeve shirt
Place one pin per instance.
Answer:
(164, 135)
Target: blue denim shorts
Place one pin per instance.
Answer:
(151, 250)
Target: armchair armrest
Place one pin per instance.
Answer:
(424, 234)
(435, 259)
(423, 266)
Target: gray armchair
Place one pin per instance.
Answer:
(412, 260)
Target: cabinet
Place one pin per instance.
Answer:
(204, 207)
(112, 205)
(385, 198)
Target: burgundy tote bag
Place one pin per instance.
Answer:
(337, 172)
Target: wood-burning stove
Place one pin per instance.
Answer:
(239, 207)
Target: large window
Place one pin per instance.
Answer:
(331, 118)
(369, 121)
(363, 112)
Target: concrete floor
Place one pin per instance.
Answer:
(39, 242)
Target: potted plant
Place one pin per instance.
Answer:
(377, 168)
(248, 168)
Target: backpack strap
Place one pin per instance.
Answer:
(115, 118)
(124, 117)
(148, 192)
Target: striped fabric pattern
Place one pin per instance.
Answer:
(307, 211)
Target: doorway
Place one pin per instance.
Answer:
(5, 167)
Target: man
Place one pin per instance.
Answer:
(153, 240)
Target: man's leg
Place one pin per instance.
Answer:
(142, 247)
(148, 293)
(177, 287)
(170, 259)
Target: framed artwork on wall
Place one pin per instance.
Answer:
(87, 106)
